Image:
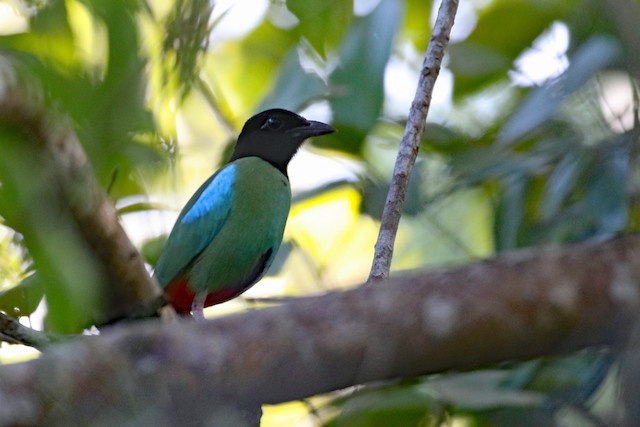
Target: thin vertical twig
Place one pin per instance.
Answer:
(411, 141)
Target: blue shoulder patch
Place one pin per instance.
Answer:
(217, 194)
(198, 224)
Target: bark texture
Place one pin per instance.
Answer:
(519, 306)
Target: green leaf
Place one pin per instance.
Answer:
(358, 81)
(511, 212)
(481, 163)
(185, 42)
(563, 179)
(322, 23)
(481, 390)
(374, 195)
(242, 71)
(152, 248)
(404, 406)
(443, 139)
(510, 25)
(49, 38)
(475, 61)
(417, 25)
(514, 416)
(107, 108)
(295, 88)
(24, 298)
(573, 378)
(607, 190)
(117, 105)
(505, 28)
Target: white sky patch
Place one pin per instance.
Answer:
(320, 111)
(144, 225)
(616, 100)
(364, 7)
(12, 19)
(237, 18)
(309, 169)
(401, 80)
(281, 16)
(466, 19)
(546, 59)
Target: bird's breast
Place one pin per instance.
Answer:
(255, 226)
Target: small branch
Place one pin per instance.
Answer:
(521, 305)
(14, 332)
(411, 141)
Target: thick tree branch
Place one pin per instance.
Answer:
(70, 189)
(411, 141)
(522, 305)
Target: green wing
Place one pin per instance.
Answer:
(198, 224)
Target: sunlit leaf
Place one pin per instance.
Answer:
(417, 26)
(108, 108)
(186, 40)
(242, 71)
(50, 38)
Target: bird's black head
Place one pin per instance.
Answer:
(275, 136)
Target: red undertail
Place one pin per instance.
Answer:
(181, 296)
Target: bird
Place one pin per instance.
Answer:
(227, 235)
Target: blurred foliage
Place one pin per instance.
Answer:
(22, 299)
(533, 140)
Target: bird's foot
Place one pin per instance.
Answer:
(197, 306)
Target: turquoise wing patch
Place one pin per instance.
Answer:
(198, 224)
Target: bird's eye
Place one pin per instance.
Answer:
(272, 123)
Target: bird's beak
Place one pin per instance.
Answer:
(311, 128)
